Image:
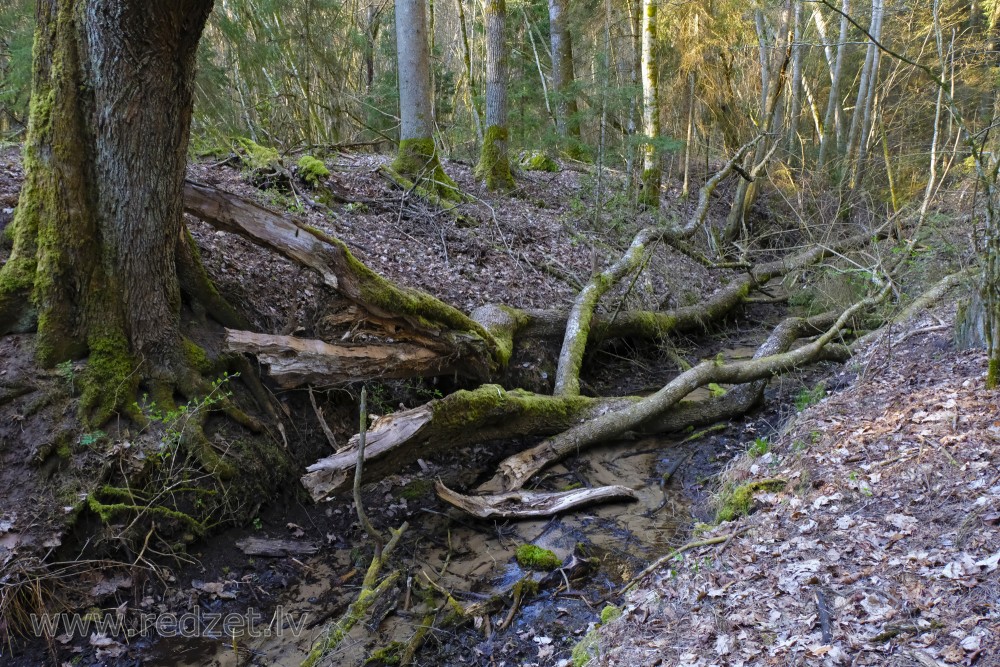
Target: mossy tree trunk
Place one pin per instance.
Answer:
(494, 163)
(650, 195)
(417, 159)
(98, 226)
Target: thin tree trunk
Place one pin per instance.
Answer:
(862, 98)
(795, 92)
(563, 79)
(832, 120)
(689, 135)
(650, 108)
(494, 164)
(477, 113)
(871, 96)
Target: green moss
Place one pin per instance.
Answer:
(418, 488)
(532, 557)
(993, 374)
(312, 170)
(737, 502)
(253, 155)
(196, 356)
(610, 613)
(494, 166)
(106, 511)
(537, 161)
(110, 381)
(650, 195)
(586, 649)
(417, 160)
(386, 655)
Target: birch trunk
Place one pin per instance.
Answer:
(650, 195)
(833, 119)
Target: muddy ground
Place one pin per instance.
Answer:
(530, 249)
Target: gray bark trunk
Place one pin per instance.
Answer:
(416, 112)
(832, 120)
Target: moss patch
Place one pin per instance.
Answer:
(417, 160)
(532, 557)
(650, 195)
(610, 613)
(253, 155)
(416, 489)
(312, 170)
(537, 161)
(494, 166)
(738, 501)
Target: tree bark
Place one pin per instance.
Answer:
(417, 159)
(832, 120)
(650, 195)
(563, 78)
(494, 163)
(99, 220)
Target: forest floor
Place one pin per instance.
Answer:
(890, 510)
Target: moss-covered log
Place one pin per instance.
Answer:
(405, 313)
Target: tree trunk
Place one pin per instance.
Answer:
(863, 88)
(494, 163)
(832, 121)
(417, 159)
(870, 96)
(567, 122)
(795, 92)
(98, 225)
(650, 108)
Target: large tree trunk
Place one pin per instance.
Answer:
(98, 225)
(417, 159)
(494, 164)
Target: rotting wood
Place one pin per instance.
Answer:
(296, 362)
(526, 504)
(275, 548)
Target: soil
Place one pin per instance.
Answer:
(530, 248)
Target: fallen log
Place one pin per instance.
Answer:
(296, 362)
(527, 504)
(516, 470)
(402, 312)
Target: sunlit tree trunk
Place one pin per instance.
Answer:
(635, 74)
(833, 119)
(795, 91)
(650, 108)
(417, 157)
(865, 91)
(871, 97)
(567, 121)
(494, 164)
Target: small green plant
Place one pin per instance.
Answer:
(257, 523)
(92, 438)
(799, 446)
(759, 447)
(736, 502)
(808, 397)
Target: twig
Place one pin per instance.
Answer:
(322, 421)
(659, 562)
(358, 469)
(824, 616)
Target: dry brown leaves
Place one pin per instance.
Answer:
(889, 523)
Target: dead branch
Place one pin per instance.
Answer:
(516, 470)
(526, 504)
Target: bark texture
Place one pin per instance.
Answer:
(650, 107)
(563, 77)
(494, 161)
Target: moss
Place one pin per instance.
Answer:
(491, 401)
(494, 166)
(738, 501)
(106, 511)
(533, 557)
(610, 613)
(650, 195)
(110, 381)
(418, 488)
(312, 170)
(586, 649)
(253, 155)
(993, 374)
(537, 161)
(196, 356)
(417, 160)
(386, 655)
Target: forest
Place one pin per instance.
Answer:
(527, 332)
